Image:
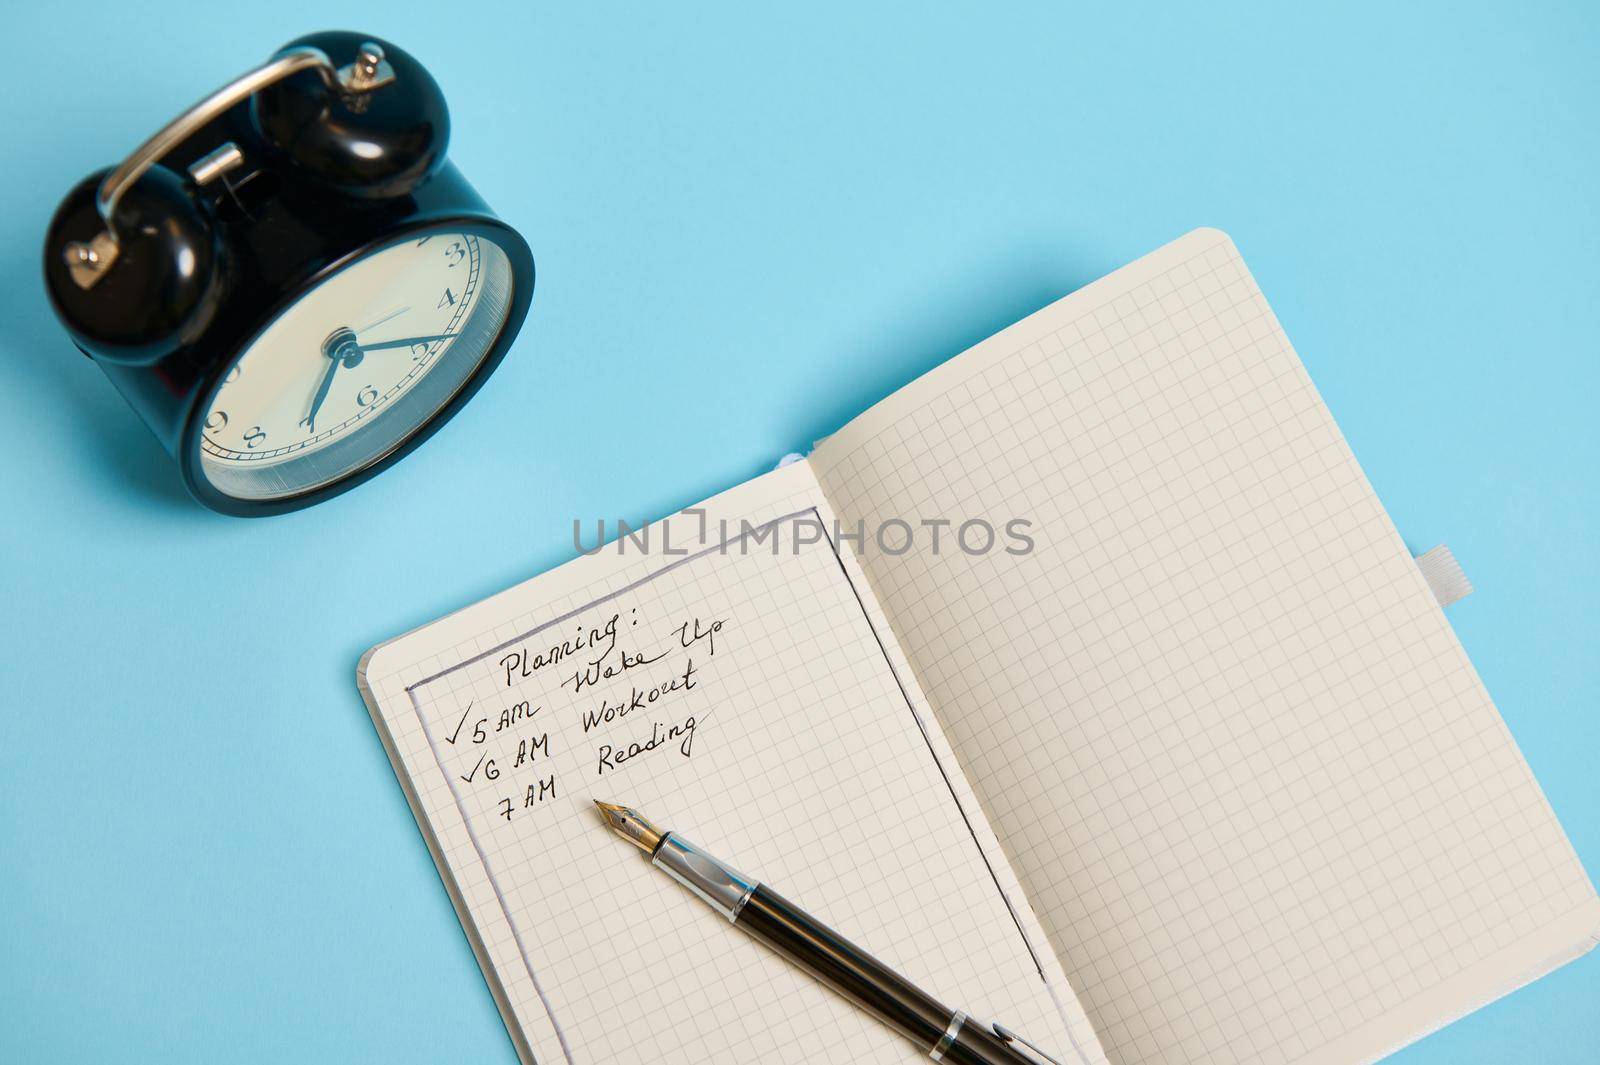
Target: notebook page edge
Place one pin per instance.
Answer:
(1560, 943)
(464, 915)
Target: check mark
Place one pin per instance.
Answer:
(469, 776)
(451, 739)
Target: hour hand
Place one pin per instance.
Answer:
(310, 420)
(405, 342)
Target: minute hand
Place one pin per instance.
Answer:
(405, 342)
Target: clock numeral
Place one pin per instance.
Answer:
(367, 396)
(254, 437)
(455, 253)
(419, 352)
(447, 300)
(423, 241)
(216, 421)
(232, 375)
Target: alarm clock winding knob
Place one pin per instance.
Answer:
(368, 72)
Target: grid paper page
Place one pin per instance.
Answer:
(772, 728)
(1251, 783)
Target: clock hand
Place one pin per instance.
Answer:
(373, 325)
(340, 350)
(310, 420)
(406, 342)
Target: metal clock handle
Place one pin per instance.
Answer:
(87, 261)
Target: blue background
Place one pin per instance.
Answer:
(749, 226)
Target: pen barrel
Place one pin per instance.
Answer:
(858, 975)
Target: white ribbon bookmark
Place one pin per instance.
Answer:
(1443, 574)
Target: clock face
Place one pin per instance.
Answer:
(356, 365)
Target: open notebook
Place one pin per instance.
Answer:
(1183, 764)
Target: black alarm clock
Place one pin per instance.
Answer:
(290, 283)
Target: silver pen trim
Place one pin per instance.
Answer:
(721, 886)
(957, 1019)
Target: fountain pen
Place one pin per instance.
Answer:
(949, 1035)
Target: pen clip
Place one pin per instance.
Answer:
(1009, 1037)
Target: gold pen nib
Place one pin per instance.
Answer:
(631, 825)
